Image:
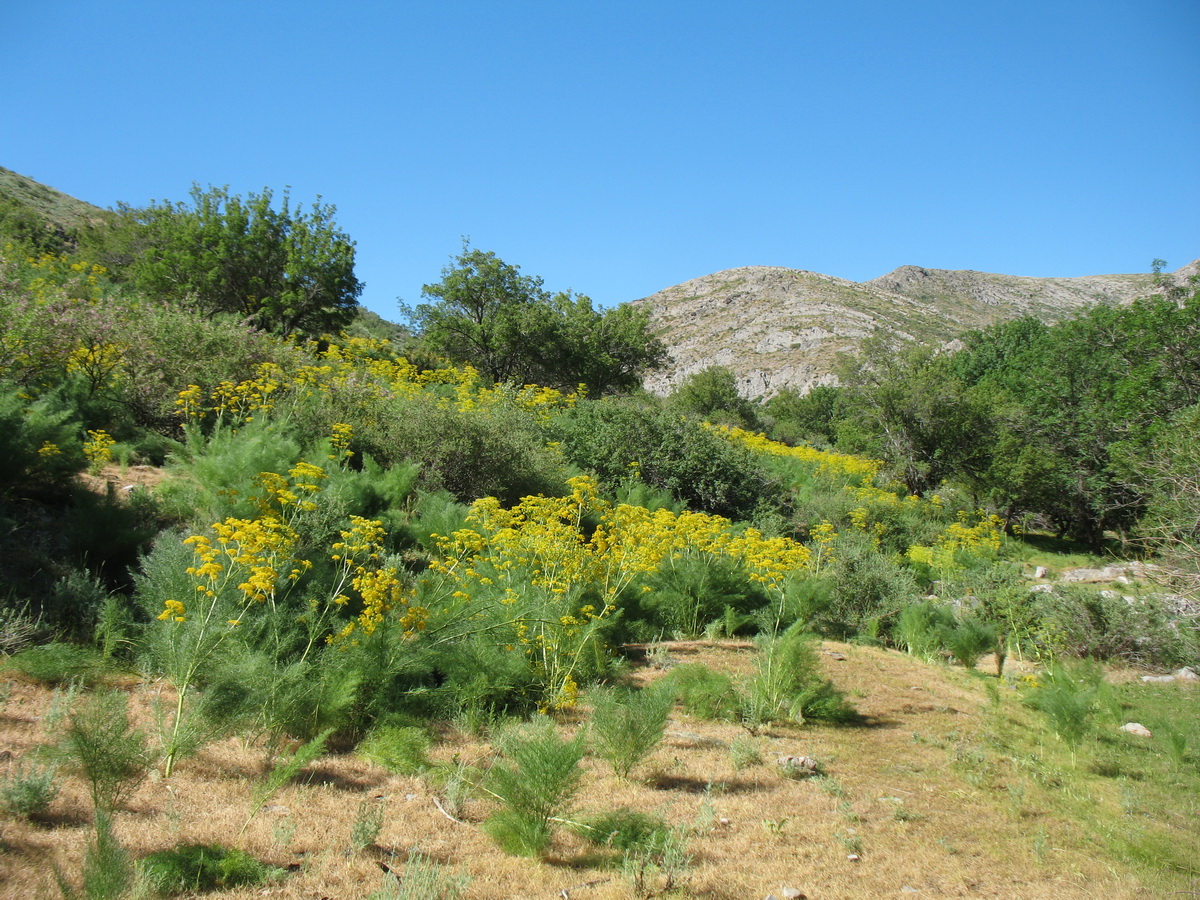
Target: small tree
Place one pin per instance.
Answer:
(282, 269)
(486, 313)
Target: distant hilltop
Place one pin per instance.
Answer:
(781, 328)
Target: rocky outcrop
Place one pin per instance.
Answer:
(777, 327)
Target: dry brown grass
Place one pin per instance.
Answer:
(923, 793)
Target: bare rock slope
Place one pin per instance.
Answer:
(777, 327)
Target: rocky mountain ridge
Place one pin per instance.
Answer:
(785, 328)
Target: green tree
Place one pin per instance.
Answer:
(794, 418)
(285, 270)
(486, 313)
(907, 406)
(713, 394)
(1075, 408)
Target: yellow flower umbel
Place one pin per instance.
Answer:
(98, 450)
(359, 555)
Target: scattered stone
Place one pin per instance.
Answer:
(833, 654)
(909, 889)
(724, 821)
(1186, 674)
(277, 809)
(1039, 572)
(770, 897)
(1158, 679)
(691, 739)
(1121, 573)
(853, 857)
(1042, 589)
(791, 893)
(1136, 728)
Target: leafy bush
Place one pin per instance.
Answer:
(628, 725)
(866, 585)
(111, 756)
(1104, 624)
(970, 638)
(693, 590)
(422, 879)
(921, 628)
(1069, 697)
(624, 829)
(205, 867)
(40, 442)
(703, 469)
(744, 753)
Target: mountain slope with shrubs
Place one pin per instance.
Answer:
(357, 549)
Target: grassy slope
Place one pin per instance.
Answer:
(953, 789)
(56, 207)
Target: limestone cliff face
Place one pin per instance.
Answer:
(777, 327)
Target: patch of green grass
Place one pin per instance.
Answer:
(205, 867)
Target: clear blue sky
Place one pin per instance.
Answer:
(617, 147)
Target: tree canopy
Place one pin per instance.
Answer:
(282, 269)
(486, 313)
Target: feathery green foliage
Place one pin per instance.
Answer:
(535, 783)
(110, 754)
(626, 726)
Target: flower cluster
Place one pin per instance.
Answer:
(856, 468)
(98, 449)
(359, 556)
(552, 570)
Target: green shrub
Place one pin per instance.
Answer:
(1068, 696)
(704, 693)
(787, 683)
(744, 753)
(40, 442)
(368, 823)
(921, 628)
(205, 867)
(535, 783)
(624, 829)
(694, 590)
(866, 585)
(59, 663)
(969, 639)
(703, 469)
(111, 756)
(627, 725)
(28, 793)
(108, 870)
(1105, 624)
(422, 879)
(401, 749)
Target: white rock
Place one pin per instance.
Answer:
(1158, 679)
(791, 893)
(853, 857)
(1186, 674)
(1039, 572)
(1136, 728)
